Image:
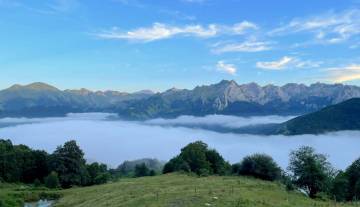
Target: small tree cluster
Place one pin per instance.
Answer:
(197, 158)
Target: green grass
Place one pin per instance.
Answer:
(176, 190)
(14, 195)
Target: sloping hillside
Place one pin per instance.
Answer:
(342, 116)
(176, 190)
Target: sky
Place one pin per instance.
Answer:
(130, 45)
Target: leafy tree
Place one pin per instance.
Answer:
(68, 161)
(197, 158)
(310, 171)
(98, 173)
(235, 168)
(217, 163)
(176, 164)
(101, 178)
(260, 166)
(152, 173)
(141, 170)
(353, 175)
(52, 180)
(194, 154)
(340, 186)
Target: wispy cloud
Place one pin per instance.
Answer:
(344, 74)
(227, 68)
(275, 65)
(63, 5)
(160, 31)
(327, 28)
(246, 46)
(288, 62)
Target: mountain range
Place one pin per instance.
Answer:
(225, 97)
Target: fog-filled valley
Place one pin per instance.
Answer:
(106, 138)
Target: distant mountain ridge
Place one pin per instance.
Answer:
(225, 97)
(40, 99)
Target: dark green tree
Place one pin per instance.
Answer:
(310, 171)
(260, 166)
(98, 173)
(197, 158)
(194, 154)
(353, 175)
(52, 180)
(9, 168)
(141, 170)
(176, 164)
(69, 163)
(340, 187)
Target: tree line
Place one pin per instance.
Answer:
(65, 167)
(308, 170)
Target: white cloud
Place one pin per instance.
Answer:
(344, 74)
(227, 68)
(327, 28)
(242, 27)
(275, 65)
(159, 31)
(246, 46)
(162, 31)
(288, 62)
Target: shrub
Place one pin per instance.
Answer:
(260, 166)
(52, 180)
(37, 183)
(141, 170)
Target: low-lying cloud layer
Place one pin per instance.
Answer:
(225, 121)
(113, 141)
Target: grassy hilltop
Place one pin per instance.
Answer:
(177, 190)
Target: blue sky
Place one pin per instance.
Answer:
(129, 45)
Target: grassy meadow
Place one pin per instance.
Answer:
(178, 190)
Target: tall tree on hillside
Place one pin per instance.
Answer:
(311, 171)
(69, 163)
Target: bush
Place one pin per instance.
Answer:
(52, 180)
(101, 178)
(141, 170)
(37, 183)
(260, 166)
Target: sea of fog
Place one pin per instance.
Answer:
(105, 138)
